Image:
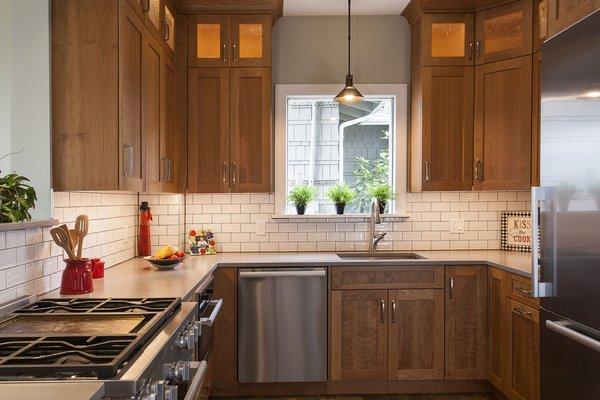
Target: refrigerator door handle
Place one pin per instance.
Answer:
(539, 197)
(561, 329)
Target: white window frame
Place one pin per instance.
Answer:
(399, 157)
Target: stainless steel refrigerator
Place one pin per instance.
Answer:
(566, 210)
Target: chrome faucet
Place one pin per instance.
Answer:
(374, 237)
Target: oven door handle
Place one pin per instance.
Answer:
(196, 383)
(213, 315)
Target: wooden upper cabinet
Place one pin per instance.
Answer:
(540, 23)
(169, 27)
(250, 124)
(447, 128)
(503, 136)
(447, 39)
(132, 33)
(168, 137)
(523, 354)
(564, 13)
(250, 36)
(504, 32)
(359, 335)
(208, 130)
(496, 327)
(208, 41)
(465, 322)
(536, 118)
(416, 334)
(153, 15)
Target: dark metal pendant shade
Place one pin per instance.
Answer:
(349, 94)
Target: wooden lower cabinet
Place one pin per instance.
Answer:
(359, 335)
(465, 322)
(496, 327)
(416, 334)
(523, 352)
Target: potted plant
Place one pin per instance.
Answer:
(300, 196)
(16, 198)
(383, 193)
(341, 194)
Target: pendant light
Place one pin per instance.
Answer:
(349, 94)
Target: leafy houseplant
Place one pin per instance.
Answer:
(16, 198)
(383, 192)
(300, 196)
(341, 194)
(369, 173)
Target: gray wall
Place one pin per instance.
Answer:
(4, 86)
(314, 49)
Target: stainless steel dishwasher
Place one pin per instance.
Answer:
(282, 325)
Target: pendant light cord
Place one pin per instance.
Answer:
(349, 35)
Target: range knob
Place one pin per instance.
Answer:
(177, 373)
(184, 341)
(170, 392)
(152, 390)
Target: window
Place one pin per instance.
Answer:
(321, 143)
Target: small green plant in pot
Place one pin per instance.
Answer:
(341, 194)
(383, 193)
(300, 196)
(16, 198)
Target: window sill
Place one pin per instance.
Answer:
(37, 223)
(336, 216)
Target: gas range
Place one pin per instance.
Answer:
(140, 348)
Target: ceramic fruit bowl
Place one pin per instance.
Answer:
(166, 263)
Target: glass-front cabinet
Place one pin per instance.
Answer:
(447, 40)
(242, 40)
(504, 32)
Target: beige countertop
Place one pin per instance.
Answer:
(52, 391)
(137, 278)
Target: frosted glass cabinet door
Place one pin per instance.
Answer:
(251, 40)
(208, 41)
(504, 32)
(447, 40)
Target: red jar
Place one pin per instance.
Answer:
(77, 277)
(97, 266)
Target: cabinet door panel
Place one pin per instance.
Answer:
(447, 39)
(168, 138)
(151, 110)
(465, 322)
(131, 98)
(250, 121)
(564, 13)
(250, 40)
(503, 125)
(208, 41)
(496, 327)
(523, 354)
(358, 349)
(153, 16)
(447, 128)
(416, 334)
(208, 127)
(504, 32)
(169, 29)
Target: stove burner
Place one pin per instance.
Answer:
(96, 305)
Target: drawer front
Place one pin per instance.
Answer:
(400, 277)
(519, 288)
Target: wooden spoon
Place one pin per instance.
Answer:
(81, 227)
(62, 239)
(74, 236)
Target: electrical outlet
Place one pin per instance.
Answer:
(261, 228)
(457, 225)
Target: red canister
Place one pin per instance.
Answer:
(77, 277)
(97, 266)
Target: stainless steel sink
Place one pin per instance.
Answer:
(379, 256)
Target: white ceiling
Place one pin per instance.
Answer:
(340, 7)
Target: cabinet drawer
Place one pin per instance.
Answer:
(519, 288)
(400, 277)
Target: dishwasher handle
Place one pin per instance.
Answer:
(282, 274)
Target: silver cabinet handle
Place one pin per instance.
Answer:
(561, 329)
(213, 315)
(382, 311)
(234, 53)
(451, 287)
(196, 383)
(477, 170)
(478, 48)
(224, 52)
(224, 173)
(128, 159)
(543, 199)
(281, 274)
(234, 173)
(524, 292)
(525, 314)
(393, 311)
(427, 177)
(163, 176)
(170, 174)
(470, 50)
(167, 31)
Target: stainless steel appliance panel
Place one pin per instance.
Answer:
(282, 325)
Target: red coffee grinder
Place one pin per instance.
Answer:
(144, 239)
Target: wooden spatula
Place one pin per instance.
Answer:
(62, 239)
(74, 236)
(81, 227)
